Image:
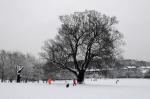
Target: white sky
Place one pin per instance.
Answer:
(26, 24)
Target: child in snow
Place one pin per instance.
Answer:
(74, 82)
(50, 81)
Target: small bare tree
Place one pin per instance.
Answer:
(19, 69)
(2, 63)
(83, 36)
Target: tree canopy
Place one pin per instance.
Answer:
(85, 36)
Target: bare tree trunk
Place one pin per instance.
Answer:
(80, 77)
(2, 76)
(19, 69)
(2, 70)
(18, 78)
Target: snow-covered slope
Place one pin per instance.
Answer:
(100, 89)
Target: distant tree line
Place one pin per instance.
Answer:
(9, 60)
(99, 70)
(35, 70)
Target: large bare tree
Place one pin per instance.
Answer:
(85, 36)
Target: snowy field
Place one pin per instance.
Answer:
(100, 89)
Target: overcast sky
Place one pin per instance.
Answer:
(26, 24)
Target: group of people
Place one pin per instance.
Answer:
(74, 83)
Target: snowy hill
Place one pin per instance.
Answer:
(100, 89)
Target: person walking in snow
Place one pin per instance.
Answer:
(50, 81)
(74, 82)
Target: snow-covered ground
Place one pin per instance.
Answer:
(100, 89)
